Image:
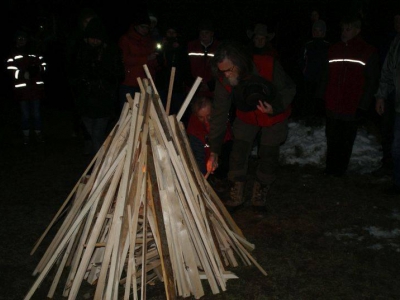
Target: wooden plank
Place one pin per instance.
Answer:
(77, 222)
(188, 98)
(170, 88)
(96, 229)
(161, 237)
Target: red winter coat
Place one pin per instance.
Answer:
(350, 75)
(201, 132)
(135, 50)
(265, 66)
(26, 69)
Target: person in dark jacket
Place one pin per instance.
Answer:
(312, 63)
(352, 81)
(98, 71)
(26, 68)
(389, 84)
(262, 106)
(173, 54)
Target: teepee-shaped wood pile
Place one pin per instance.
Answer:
(142, 212)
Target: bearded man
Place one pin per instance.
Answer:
(261, 94)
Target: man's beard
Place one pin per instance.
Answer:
(233, 81)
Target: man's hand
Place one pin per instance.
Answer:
(380, 106)
(212, 163)
(265, 107)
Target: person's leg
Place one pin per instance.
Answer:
(88, 123)
(268, 166)
(244, 135)
(37, 120)
(340, 136)
(99, 132)
(24, 105)
(238, 160)
(396, 152)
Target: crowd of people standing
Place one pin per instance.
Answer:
(246, 97)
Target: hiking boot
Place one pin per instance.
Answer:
(26, 139)
(39, 137)
(259, 196)
(236, 194)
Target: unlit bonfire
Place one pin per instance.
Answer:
(143, 212)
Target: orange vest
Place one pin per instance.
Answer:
(265, 66)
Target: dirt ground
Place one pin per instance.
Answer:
(314, 240)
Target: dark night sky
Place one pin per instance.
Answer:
(288, 18)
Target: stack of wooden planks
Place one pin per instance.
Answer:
(141, 212)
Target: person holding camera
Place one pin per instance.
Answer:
(262, 95)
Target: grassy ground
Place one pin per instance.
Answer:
(317, 240)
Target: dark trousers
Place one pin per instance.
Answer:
(270, 140)
(340, 136)
(387, 125)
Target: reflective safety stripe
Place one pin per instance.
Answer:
(200, 54)
(12, 68)
(18, 56)
(348, 60)
(20, 85)
(39, 82)
(10, 60)
(16, 74)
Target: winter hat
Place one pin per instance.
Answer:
(142, 17)
(319, 25)
(95, 29)
(153, 19)
(261, 29)
(206, 24)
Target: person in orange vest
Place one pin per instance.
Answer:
(262, 96)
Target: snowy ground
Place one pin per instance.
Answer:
(307, 146)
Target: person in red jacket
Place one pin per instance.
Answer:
(198, 130)
(138, 49)
(200, 53)
(262, 106)
(353, 74)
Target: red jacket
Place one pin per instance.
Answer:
(265, 66)
(201, 132)
(135, 50)
(26, 69)
(349, 75)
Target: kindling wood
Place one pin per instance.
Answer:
(141, 212)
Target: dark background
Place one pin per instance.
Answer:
(290, 20)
